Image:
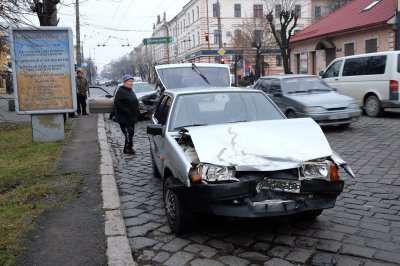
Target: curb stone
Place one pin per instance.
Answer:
(118, 249)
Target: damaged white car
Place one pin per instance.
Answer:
(231, 152)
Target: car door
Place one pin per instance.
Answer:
(160, 116)
(275, 93)
(100, 100)
(332, 75)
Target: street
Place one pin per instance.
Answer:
(362, 229)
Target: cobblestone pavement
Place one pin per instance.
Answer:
(362, 229)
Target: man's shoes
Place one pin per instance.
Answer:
(131, 152)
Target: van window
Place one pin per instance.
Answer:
(376, 65)
(398, 63)
(354, 66)
(333, 70)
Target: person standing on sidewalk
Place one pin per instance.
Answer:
(82, 87)
(126, 107)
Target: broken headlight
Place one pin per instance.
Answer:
(316, 170)
(216, 173)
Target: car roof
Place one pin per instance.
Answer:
(193, 90)
(189, 65)
(285, 76)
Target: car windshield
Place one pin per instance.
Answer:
(185, 77)
(221, 107)
(305, 85)
(142, 87)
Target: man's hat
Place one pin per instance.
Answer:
(79, 70)
(127, 77)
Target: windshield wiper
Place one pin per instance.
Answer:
(196, 69)
(302, 91)
(192, 125)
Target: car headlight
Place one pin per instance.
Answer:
(313, 109)
(216, 173)
(316, 170)
(354, 106)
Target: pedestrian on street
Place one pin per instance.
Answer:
(127, 111)
(82, 87)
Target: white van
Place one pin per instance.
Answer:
(371, 79)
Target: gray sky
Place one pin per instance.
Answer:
(115, 24)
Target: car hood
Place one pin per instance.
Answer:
(323, 99)
(260, 145)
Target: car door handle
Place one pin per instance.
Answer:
(336, 79)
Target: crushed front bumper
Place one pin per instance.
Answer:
(245, 199)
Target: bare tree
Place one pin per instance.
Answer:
(238, 44)
(255, 35)
(285, 11)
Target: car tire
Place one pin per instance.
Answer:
(372, 106)
(178, 216)
(291, 114)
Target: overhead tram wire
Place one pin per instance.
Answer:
(115, 13)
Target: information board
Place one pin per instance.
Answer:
(43, 70)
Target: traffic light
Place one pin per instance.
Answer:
(222, 61)
(206, 35)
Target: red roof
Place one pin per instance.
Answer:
(349, 17)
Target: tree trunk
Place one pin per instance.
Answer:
(257, 70)
(286, 65)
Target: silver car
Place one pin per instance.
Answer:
(309, 96)
(231, 152)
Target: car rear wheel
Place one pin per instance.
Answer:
(178, 216)
(372, 106)
(290, 114)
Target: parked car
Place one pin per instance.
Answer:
(231, 152)
(102, 101)
(309, 96)
(111, 83)
(372, 79)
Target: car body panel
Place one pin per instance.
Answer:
(99, 100)
(243, 144)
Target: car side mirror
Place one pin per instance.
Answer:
(321, 74)
(109, 96)
(155, 129)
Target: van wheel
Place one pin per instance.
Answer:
(372, 106)
(178, 216)
(290, 114)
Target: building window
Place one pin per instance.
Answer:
(258, 11)
(349, 49)
(278, 10)
(297, 9)
(317, 12)
(278, 60)
(215, 11)
(192, 15)
(216, 37)
(188, 19)
(371, 46)
(238, 11)
(198, 12)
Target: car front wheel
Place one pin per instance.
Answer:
(178, 216)
(372, 106)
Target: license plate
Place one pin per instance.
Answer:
(339, 116)
(280, 185)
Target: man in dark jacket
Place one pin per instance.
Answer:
(82, 87)
(127, 111)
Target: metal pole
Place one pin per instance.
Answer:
(78, 35)
(208, 32)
